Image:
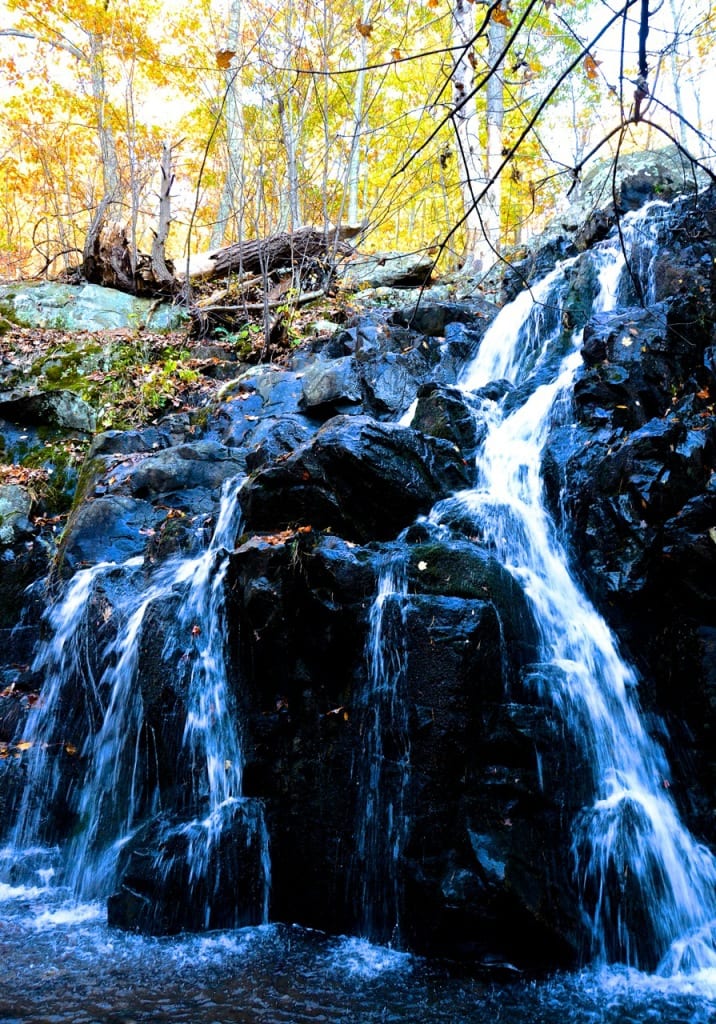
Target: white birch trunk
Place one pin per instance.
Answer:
(478, 158)
(230, 202)
(108, 148)
(354, 161)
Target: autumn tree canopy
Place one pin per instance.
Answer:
(455, 126)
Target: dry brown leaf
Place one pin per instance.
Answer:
(224, 58)
(501, 16)
(591, 67)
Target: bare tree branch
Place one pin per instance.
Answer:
(58, 44)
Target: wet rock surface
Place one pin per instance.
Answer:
(335, 490)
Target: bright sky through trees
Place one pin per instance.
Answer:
(315, 112)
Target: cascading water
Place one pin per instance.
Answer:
(121, 786)
(137, 646)
(382, 772)
(648, 887)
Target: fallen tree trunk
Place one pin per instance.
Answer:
(301, 250)
(309, 255)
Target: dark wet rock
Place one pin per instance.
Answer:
(446, 412)
(199, 465)
(431, 318)
(274, 438)
(263, 392)
(130, 442)
(636, 366)
(110, 528)
(192, 875)
(25, 555)
(132, 498)
(362, 478)
(332, 381)
(474, 795)
(392, 382)
(59, 409)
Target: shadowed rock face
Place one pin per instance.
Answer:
(357, 477)
(334, 493)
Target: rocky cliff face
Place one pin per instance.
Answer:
(335, 491)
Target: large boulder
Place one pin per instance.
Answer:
(483, 781)
(58, 409)
(131, 499)
(361, 478)
(86, 307)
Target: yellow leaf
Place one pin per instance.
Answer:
(23, 745)
(501, 16)
(590, 67)
(224, 58)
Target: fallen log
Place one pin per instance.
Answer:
(305, 249)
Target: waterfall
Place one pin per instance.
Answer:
(648, 888)
(382, 771)
(121, 786)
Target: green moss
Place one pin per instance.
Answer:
(61, 459)
(8, 317)
(126, 384)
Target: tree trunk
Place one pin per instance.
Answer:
(354, 162)
(286, 249)
(108, 148)
(229, 207)
(478, 157)
(289, 199)
(467, 128)
(495, 123)
(161, 273)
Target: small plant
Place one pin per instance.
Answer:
(244, 338)
(140, 385)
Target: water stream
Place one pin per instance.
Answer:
(648, 888)
(121, 782)
(382, 773)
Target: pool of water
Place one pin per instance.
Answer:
(61, 964)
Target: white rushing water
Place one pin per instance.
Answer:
(638, 867)
(383, 764)
(121, 786)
